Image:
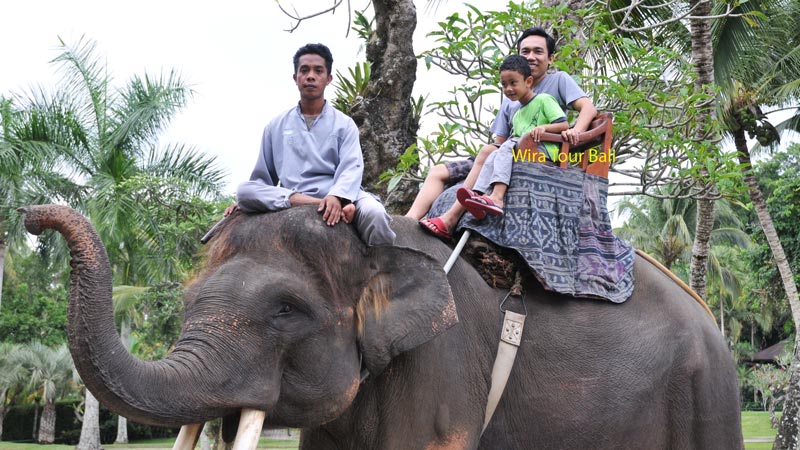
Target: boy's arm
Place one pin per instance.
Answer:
(555, 127)
(553, 114)
(501, 126)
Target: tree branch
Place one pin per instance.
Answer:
(296, 16)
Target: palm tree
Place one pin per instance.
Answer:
(658, 226)
(50, 374)
(90, 427)
(125, 314)
(663, 226)
(11, 376)
(27, 175)
(725, 286)
(766, 73)
(106, 142)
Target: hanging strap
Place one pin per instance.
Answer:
(510, 338)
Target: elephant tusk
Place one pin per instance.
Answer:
(187, 438)
(250, 424)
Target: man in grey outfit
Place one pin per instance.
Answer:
(313, 151)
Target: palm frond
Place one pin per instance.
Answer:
(200, 173)
(125, 299)
(734, 36)
(49, 369)
(86, 77)
(790, 125)
(676, 227)
(148, 105)
(55, 129)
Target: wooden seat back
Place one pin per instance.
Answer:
(593, 146)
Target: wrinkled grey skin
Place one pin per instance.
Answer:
(272, 323)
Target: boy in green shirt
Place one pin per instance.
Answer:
(540, 113)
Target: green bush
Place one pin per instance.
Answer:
(18, 425)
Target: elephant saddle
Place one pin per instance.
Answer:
(555, 224)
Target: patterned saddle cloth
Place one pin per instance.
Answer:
(557, 220)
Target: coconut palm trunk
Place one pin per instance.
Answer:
(2, 268)
(205, 442)
(702, 245)
(3, 393)
(35, 431)
(787, 437)
(47, 424)
(122, 422)
(90, 430)
(703, 63)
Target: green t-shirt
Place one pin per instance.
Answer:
(543, 109)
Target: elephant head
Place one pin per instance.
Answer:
(283, 317)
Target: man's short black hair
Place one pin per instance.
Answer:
(314, 49)
(539, 31)
(516, 63)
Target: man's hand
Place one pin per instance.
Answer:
(331, 208)
(570, 135)
(230, 210)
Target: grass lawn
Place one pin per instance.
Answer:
(755, 425)
(153, 444)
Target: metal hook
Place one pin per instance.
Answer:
(521, 299)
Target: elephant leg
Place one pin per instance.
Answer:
(316, 439)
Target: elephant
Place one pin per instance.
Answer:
(377, 348)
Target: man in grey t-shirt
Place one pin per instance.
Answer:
(538, 47)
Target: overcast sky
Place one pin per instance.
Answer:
(234, 54)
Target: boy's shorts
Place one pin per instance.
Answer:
(458, 170)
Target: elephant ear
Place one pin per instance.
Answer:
(406, 302)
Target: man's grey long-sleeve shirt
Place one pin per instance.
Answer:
(323, 160)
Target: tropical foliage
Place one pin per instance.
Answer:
(93, 144)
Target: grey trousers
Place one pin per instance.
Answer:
(497, 168)
(372, 221)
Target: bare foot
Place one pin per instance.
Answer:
(497, 201)
(230, 209)
(348, 212)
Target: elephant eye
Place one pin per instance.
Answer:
(285, 309)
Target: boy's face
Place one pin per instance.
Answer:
(312, 77)
(515, 85)
(534, 49)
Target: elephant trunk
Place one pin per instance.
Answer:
(170, 392)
